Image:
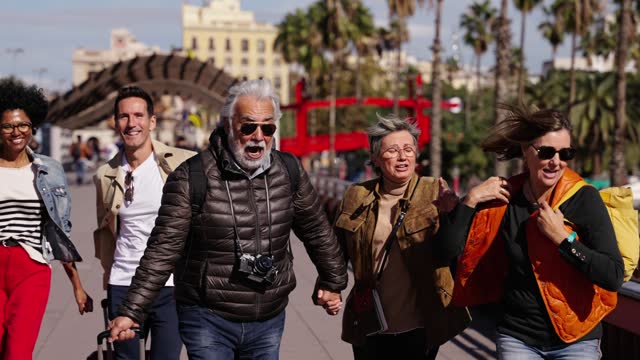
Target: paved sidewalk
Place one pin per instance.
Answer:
(310, 334)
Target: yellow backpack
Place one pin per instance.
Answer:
(619, 203)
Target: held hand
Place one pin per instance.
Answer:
(494, 188)
(447, 198)
(330, 301)
(551, 223)
(84, 301)
(121, 329)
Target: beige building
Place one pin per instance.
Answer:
(124, 46)
(230, 38)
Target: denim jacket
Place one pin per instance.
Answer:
(51, 184)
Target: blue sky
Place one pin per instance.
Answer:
(49, 30)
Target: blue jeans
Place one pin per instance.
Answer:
(208, 336)
(162, 322)
(510, 348)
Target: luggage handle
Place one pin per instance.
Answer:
(105, 335)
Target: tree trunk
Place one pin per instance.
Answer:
(502, 73)
(521, 70)
(357, 79)
(572, 76)
(436, 110)
(396, 81)
(467, 99)
(554, 53)
(618, 168)
(332, 123)
(478, 81)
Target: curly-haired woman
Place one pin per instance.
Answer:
(34, 222)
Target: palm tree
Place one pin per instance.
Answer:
(576, 16)
(363, 34)
(553, 32)
(503, 46)
(452, 65)
(525, 7)
(618, 168)
(593, 115)
(477, 22)
(399, 11)
(300, 41)
(435, 142)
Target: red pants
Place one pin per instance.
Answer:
(24, 291)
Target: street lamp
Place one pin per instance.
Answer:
(15, 52)
(40, 71)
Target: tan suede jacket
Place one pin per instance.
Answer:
(355, 225)
(110, 196)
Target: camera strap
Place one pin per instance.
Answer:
(394, 231)
(237, 245)
(236, 240)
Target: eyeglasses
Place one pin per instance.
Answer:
(394, 151)
(128, 185)
(249, 128)
(23, 127)
(548, 152)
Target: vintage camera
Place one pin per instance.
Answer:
(259, 269)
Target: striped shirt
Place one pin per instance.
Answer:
(21, 208)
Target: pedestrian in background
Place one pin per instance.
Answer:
(35, 226)
(554, 270)
(386, 227)
(80, 153)
(128, 193)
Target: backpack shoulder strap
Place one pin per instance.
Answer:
(572, 191)
(197, 183)
(292, 168)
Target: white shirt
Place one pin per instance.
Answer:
(137, 219)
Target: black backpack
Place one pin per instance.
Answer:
(198, 180)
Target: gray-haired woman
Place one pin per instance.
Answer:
(386, 227)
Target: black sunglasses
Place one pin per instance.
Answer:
(548, 152)
(128, 184)
(249, 128)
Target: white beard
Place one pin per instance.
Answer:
(238, 152)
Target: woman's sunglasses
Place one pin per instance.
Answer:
(249, 128)
(548, 152)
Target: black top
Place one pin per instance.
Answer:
(596, 255)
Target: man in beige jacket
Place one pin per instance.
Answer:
(128, 193)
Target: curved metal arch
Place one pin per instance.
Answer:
(92, 101)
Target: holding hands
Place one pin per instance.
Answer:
(330, 301)
(494, 188)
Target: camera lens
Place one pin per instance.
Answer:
(263, 264)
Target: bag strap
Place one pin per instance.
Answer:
(394, 231)
(292, 169)
(197, 184)
(572, 191)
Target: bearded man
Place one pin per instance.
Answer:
(232, 259)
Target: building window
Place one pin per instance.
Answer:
(227, 61)
(244, 44)
(194, 43)
(212, 45)
(277, 83)
(244, 62)
(227, 44)
(212, 60)
(261, 62)
(261, 46)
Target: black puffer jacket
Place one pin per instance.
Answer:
(204, 267)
